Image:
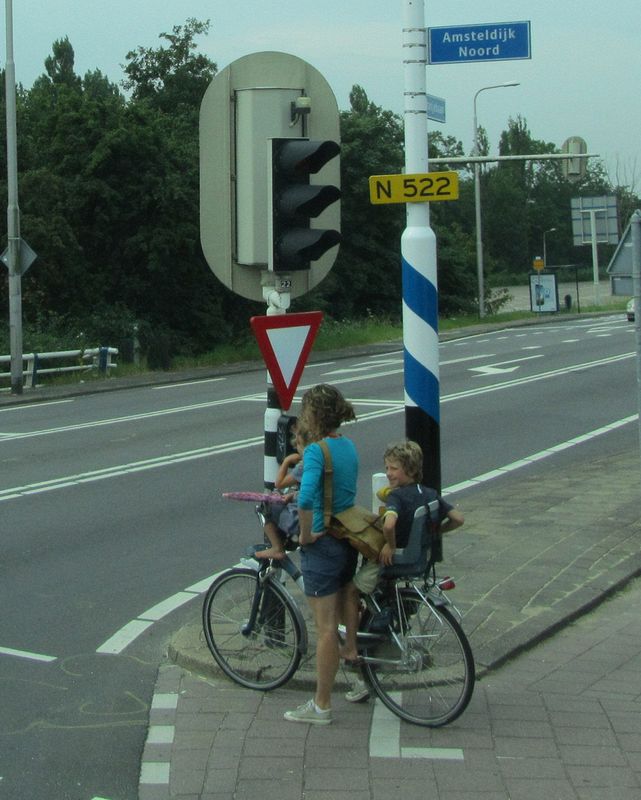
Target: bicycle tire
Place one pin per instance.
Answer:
(433, 684)
(265, 657)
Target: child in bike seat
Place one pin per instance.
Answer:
(281, 519)
(405, 494)
(401, 498)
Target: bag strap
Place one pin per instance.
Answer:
(327, 482)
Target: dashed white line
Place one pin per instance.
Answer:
(9, 651)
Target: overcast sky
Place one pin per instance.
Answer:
(582, 80)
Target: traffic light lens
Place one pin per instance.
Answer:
(301, 157)
(295, 200)
(307, 200)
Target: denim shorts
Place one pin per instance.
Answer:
(327, 565)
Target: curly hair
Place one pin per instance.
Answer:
(323, 410)
(410, 457)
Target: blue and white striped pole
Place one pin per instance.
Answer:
(418, 252)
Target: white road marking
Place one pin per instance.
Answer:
(496, 369)
(44, 405)
(466, 358)
(537, 377)
(385, 739)
(550, 451)
(124, 637)
(126, 469)
(488, 370)
(132, 417)
(187, 383)
(394, 407)
(9, 651)
(154, 773)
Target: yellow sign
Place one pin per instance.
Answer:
(538, 263)
(421, 188)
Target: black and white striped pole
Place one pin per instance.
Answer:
(418, 253)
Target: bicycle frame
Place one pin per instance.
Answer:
(432, 596)
(266, 572)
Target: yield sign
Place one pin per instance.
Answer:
(285, 341)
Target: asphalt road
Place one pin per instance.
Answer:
(113, 520)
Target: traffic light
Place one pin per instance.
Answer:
(293, 243)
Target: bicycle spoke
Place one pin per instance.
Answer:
(427, 675)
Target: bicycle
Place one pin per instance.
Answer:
(415, 655)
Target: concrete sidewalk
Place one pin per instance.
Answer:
(540, 548)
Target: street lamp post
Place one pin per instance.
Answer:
(477, 199)
(13, 213)
(545, 252)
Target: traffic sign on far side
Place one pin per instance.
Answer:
(425, 187)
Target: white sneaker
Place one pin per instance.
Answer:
(358, 692)
(309, 713)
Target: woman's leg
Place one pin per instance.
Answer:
(326, 618)
(350, 614)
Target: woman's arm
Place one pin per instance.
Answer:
(305, 517)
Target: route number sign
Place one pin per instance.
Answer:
(420, 188)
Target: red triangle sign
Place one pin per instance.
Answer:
(285, 341)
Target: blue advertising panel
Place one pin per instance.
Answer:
(491, 41)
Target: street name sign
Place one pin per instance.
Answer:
(435, 108)
(491, 41)
(285, 341)
(425, 187)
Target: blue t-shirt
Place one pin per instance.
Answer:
(345, 477)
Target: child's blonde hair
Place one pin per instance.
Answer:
(409, 456)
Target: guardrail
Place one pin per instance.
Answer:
(99, 358)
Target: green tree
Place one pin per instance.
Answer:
(173, 78)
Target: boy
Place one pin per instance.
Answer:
(404, 495)
(404, 471)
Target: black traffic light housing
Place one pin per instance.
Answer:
(285, 432)
(295, 200)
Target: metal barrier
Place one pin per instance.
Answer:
(99, 358)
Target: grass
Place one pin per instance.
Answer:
(332, 335)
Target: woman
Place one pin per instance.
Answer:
(328, 564)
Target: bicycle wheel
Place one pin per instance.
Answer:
(427, 676)
(267, 653)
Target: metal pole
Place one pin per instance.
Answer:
(477, 200)
(545, 251)
(418, 255)
(277, 303)
(479, 235)
(595, 259)
(13, 214)
(477, 216)
(635, 230)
